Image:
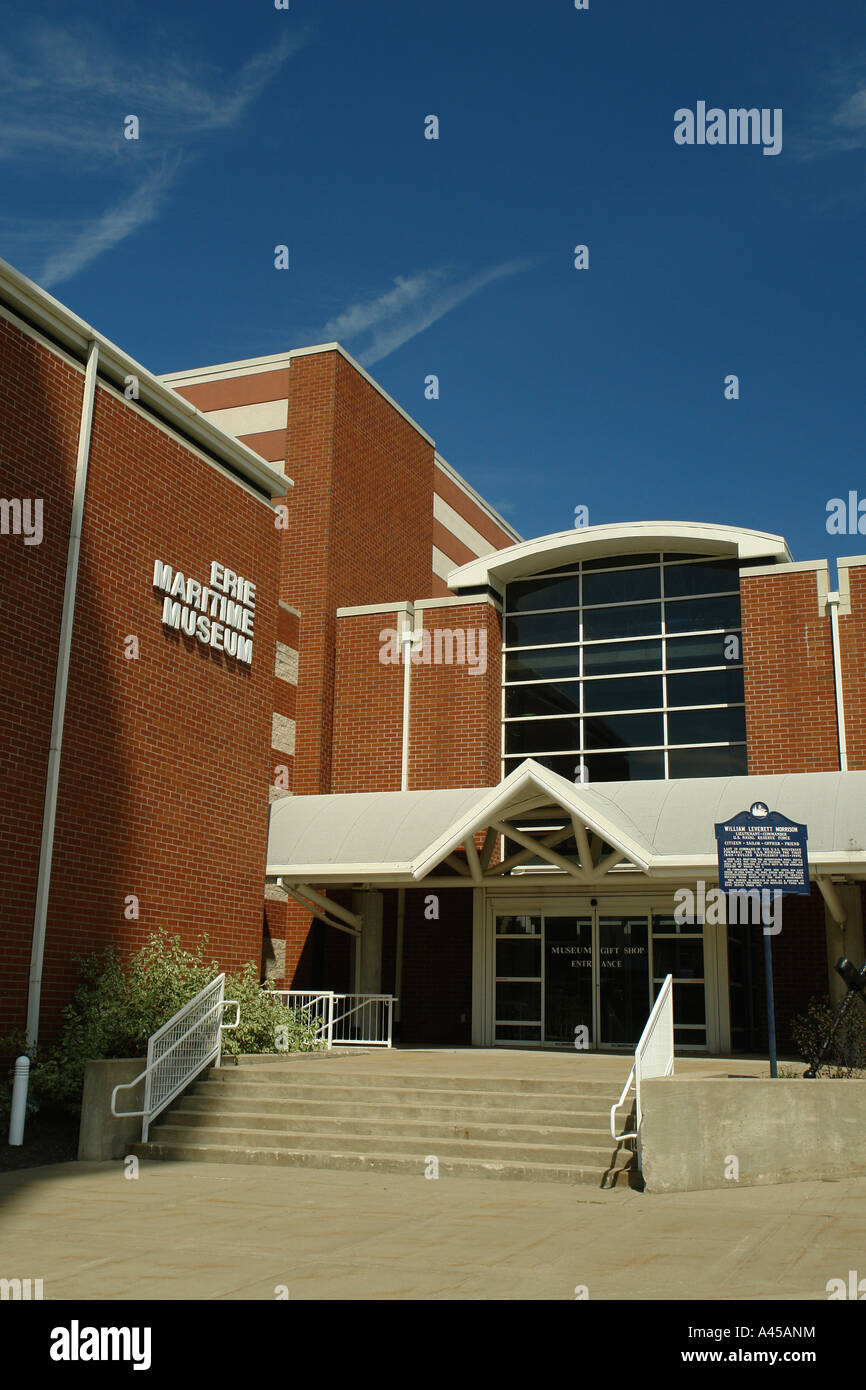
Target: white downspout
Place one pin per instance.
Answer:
(407, 638)
(833, 604)
(61, 682)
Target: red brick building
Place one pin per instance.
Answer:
(134, 757)
(254, 595)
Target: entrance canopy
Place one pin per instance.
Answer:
(595, 834)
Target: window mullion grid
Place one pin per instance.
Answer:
(665, 738)
(581, 757)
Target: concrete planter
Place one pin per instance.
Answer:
(741, 1132)
(101, 1136)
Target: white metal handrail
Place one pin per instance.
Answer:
(653, 1056)
(308, 1001)
(359, 1020)
(372, 1019)
(177, 1053)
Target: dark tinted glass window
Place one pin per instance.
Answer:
(706, 688)
(542, 699)
(685, 615)
(519, 957)
(678, 958)
(708, 762)
(542, 736)
(542, 665)
(703, 651)
(537, 629)
(518, 1001)
(629, 621)
(623, 730)
(620, 586)
(717, 577)
(707, 726)
(625, 767)
(610, 658)
(641, 692)
(526, 594)
(689, 1006)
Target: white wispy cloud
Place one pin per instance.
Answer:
(69, 90)
(841, 125)
(64, 93)
(414, 304)
(114, 226)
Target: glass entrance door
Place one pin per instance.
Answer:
(560, 972)
(567, 978)
(623, 979)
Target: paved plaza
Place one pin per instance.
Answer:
(213, 1231)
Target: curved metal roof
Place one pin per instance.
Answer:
(357, 832)
(664, 828)
(617, 538)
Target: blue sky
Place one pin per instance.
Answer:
(558, 387)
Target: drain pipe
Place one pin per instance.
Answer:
(833, 605)
(61, 682)
(407, 642)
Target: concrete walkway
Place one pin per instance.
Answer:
(214, 1231)
(231, 1231)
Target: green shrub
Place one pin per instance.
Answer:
(847, 1053)
(118, 1004)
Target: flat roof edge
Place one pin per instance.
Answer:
(459, 481)
(58, 323)
(251, 366)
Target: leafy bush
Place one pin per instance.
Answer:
(119, 1003)
(847, 1054)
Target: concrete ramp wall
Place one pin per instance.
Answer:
(728, 1132)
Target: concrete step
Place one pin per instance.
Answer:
(285, 1071)
(209, 1103)
(622, 1174)
(366, 1113)
(441, 1095)
(261, 1136)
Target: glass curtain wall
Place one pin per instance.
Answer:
(626, 667)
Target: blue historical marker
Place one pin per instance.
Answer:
(763, 850)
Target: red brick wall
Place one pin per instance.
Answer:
(436, 989)
(852, 648)
(455, 714)
(788, 659)
(285, 701)
(360, 524)
(235, 391)
(368, 709)
(165, 767)
(40, 406)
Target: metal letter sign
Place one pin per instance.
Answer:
(760, 849)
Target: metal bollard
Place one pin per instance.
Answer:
(19, 1100)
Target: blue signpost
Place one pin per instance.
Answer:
(763, 850)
